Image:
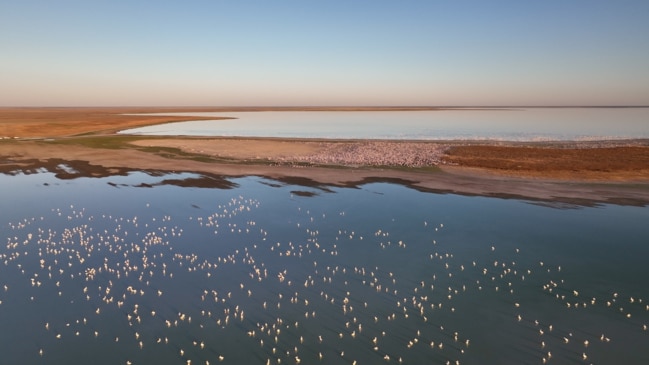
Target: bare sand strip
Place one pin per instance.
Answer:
(581, 173)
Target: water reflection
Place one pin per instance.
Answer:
(76, 169)
(269, 271)
(529, 124)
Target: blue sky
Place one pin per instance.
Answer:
(230, 53)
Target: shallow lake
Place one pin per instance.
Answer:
(535, 124)
(170, 268)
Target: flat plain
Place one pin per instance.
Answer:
(596, 171)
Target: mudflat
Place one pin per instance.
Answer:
(571, 172)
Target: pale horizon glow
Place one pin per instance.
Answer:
(334, 53)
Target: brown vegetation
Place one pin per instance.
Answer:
(577, 162)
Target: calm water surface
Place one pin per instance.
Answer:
(136, 268)
(541, 124)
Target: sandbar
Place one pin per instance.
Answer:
(582, 173)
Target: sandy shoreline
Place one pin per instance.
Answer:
(569, 172)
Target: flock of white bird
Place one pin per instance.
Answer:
(309, 288)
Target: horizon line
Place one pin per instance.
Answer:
(327, 107)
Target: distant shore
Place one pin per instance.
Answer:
(598, 171)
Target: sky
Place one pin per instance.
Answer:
(323, 53)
